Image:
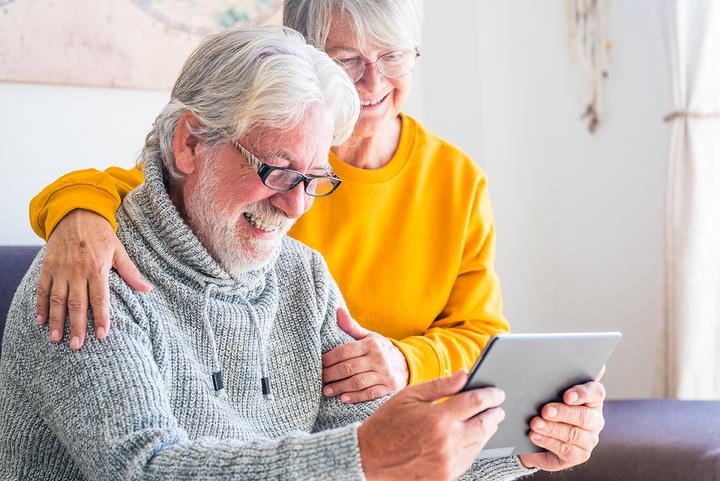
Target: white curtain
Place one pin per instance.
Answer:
(693, 202)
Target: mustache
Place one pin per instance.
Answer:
(268, 213)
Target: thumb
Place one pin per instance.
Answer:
(128, 271)
(350, 325)
(440, 387)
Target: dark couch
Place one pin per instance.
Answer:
(653, 440)
(14, 262)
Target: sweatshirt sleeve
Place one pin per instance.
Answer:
(108, 405)
(473, 312)
(99, 192)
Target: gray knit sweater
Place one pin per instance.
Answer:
(143, 404)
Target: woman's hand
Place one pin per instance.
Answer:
(368, 368)
(569, 430)
(78, 258)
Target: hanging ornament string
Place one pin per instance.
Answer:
(588, 45)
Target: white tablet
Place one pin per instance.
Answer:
(533, 370)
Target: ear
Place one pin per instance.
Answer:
(185, 144)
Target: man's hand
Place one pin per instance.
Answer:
(78, 258)
(568, 431)
(412, 436)
(368, 368)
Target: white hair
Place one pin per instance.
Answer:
(252, 77)
(387, 23)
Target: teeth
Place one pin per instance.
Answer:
(259, 223)
(372, 102)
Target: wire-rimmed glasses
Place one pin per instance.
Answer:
(395, 64)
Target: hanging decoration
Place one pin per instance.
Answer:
(589, 46)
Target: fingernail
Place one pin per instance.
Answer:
(573, 396)
(100, 332)
(552, 412)
(536, 437)
(502, 395)
(345, 398)
(75, 343)
(540, 424)
(328, 391)
(55, 335)
(39, 319)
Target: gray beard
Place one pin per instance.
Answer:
(218, 228)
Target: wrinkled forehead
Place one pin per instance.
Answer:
(303, 147)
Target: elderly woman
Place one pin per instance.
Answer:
(409, 236)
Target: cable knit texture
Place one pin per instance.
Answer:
(142, 405)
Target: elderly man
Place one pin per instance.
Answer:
(217, 372)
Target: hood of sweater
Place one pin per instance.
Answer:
(155, 217)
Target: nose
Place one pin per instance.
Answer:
(294, 202)
(371, 78)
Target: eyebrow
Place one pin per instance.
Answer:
(280, 154)
(288, 157)
(334, 50)
(324, 170)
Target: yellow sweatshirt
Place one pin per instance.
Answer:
(411, 245)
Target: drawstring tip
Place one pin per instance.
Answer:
(265, 383)
(217, 379)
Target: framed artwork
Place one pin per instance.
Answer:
(114, 43)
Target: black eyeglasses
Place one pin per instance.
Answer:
(393, 64)
(283, 179)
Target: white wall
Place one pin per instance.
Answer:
(579, 216)
(46, 131)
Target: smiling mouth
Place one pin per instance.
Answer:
(259, 224)
(371, 104)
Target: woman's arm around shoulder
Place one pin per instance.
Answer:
(77, 214)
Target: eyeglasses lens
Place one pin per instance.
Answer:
(396, 64)
(282, 179)
(391, 65)
(319, 187)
